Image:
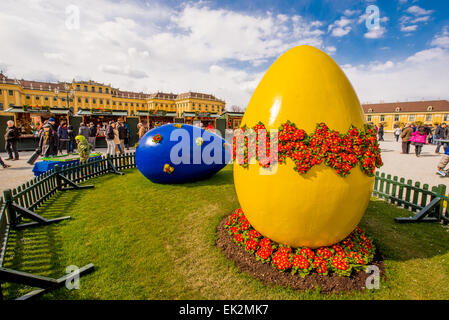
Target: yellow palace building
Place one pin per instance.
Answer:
(395, 114)
(30, 103)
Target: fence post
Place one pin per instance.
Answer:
(58, 179)
(441, 192)
(10, 212)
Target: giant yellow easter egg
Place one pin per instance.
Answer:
(319, 207)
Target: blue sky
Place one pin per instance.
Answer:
(224, 47)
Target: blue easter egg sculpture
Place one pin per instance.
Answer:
(178, 153)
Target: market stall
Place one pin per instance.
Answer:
(206, 119)
(155, 119)
(30, 119)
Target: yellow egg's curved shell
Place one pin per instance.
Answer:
(320, 207)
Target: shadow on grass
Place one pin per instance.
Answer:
(403, 241)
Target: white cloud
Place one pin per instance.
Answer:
(340, 27)
(441, 40)
(418, 11)
(148, 46)
(424, 74)
(375, 33)
(409, 28)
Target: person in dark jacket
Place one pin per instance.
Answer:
(55, 139)
(380, 132)
(84, 131)
(11, 138)
(92, 135)
(71, 144)
(441, 132)
(122, 133)
(63, 136)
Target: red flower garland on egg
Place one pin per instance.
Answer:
(341, 152)
(351, 254)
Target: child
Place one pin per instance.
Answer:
(83, 148)
(443, 162)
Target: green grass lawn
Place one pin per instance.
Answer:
(151, 241)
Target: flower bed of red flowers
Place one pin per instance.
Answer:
(353, 253)
(341, 152)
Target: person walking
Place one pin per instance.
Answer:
(3, 164)
(419, 139)
(127, 135)
(54, 141)
(11, 138)
(406, 136)
(380, 132)
(109, 136)
(45, 141)
(118, 147)
(441, 132)
(397, 133)
(71, 142)
(122, 133)
(63, 136)
(92, 135)
(84, 131)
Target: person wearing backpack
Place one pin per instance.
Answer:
(109, 136)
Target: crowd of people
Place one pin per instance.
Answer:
(55, 139)
(418, 136)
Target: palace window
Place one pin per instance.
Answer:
(113, 103)
(0, 91)
(132, 104)
(54, 99)
(368, 118)
(86, 100)
(107, 102)
(446, 117)
(126, 104)
(78, 87)
(370, 110)
(63, 99)
(79, 100)
(37, 97)
(27, 96)
(397, 109)
(428, 117)
(94, 101)
(120, 103)
(107, 90)
(411, 117)
(101, 101)
(100, 90)
(396, 117)
(85, 88)
(429, 108)
(10, 92)
(93, 89)
(46, 98)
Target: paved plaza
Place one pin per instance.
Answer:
(402, 165)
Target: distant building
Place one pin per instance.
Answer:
(399, 113)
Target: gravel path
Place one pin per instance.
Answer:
(403, 165)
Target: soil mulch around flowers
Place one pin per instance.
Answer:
(248, 263)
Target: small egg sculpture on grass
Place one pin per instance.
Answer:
(313, 192)
(179, 153)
